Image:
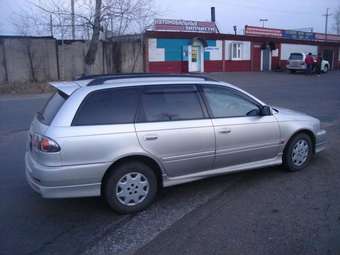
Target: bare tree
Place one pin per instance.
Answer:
(337, 21)
(91, 17)
(92, 51)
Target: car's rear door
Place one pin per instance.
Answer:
(242, 135)
(173, 126)
(102, 129)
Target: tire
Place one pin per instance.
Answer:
(325, 69)
(298, 152)
(137, 184)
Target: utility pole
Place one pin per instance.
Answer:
(235, 30)
(326, 23)
(263, 21)
(51, 25)
(73, 20)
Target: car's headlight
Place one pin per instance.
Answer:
(316, 125)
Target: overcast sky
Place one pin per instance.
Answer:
(290, 14)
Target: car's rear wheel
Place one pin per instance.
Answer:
(298, 152)
(130, 187)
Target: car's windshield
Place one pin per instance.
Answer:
(295, 56)
(52, 107)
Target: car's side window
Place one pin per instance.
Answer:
(171, 103)
(225, 103)
(108, 106)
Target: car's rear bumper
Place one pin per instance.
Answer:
(62, 182)
(320, 141)
(293, 67)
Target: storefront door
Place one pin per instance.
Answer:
(195, 59)
(256, 58)
(266, 59)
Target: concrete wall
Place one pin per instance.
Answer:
(3, 72)
(125, 56)
(132, 56)
(25, 59)
(71, 56)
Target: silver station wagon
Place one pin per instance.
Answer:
(124, 137)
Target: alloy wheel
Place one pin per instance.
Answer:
(300, 152)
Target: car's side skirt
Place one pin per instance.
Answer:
(171, 181)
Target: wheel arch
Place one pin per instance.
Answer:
(302, 131)
(152, 163)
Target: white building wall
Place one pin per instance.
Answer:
(155, 54)
(287, 48)
(215, 52)
(245, 55)
(246, 51)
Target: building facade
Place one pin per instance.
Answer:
(260, 49)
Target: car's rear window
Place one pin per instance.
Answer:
(107, 107)
(296, 56)
(52, 107)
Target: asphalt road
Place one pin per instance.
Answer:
(268, 211)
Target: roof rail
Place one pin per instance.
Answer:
(99, 79)
(94, 76)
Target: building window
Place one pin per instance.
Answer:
(236, 50)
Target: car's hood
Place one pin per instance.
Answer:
(284, 114)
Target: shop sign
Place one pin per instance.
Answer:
(298, 35)
(290, 34)
(184, 26)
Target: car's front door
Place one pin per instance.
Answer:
(174, 126)
(242, 134)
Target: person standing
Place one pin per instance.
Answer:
(318, 64)
(309, 62)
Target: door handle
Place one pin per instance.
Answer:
(225, 131)
(150, 137)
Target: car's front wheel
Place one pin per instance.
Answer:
(130, 187)
(325, 69)
(298, 152)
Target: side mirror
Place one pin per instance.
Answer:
(265, 110)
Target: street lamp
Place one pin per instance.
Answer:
(263, 21)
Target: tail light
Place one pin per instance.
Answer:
(44, 144)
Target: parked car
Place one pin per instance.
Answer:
(296, 62)
(125, 137)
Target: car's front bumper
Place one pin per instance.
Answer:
(62, 182)
(320, 141)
